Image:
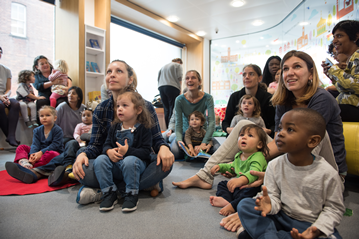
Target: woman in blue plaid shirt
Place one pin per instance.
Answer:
(119, 75)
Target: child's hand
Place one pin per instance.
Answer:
(263, 203)
(268, 131)
(122, 149)
(41, 97)
(214, 169)
(229, 174)
(169, 133)
(311, 232)
(114, 155)
(35, 157)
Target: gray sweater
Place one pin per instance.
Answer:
(170, 75)
(68, 118)
(312, 193)
(256, 120)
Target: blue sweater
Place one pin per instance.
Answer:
(52, 143)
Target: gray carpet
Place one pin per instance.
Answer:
(175, 213)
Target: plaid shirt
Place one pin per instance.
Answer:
(102, 119)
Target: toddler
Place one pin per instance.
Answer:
(218, 127)
(252, 143)
(46, 144)
(195, 133)
(126, 152)
(85, 127)
(60, 90)
(249, 108)
(26, 97)
(302, 193)
(273, 86)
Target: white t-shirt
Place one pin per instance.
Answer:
(5, 74)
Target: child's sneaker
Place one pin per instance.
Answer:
(109, 201)
(28, 124)
(34, 123)
(130, 203)
(88, 195)
(25, 163)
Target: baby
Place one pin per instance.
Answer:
(84, 127)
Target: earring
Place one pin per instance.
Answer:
(310, 82)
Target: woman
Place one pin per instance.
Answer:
(42, 69)
(8, 123)
(270, 69)
(298, 87)
(193, 99)
(119, 75)
(69, 112)
(252, 75)
(346, 41)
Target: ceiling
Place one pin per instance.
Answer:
(217, 18)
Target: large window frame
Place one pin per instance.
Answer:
(18, 19)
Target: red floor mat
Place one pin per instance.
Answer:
(12, 186)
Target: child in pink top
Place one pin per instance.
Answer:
(84, 127)
(60, 90)
(273, 86)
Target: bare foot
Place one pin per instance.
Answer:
(231, 223)
(193, 181)
(218, 201)
(228, 209)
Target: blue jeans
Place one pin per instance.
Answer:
(179, 154)
(271, 226)
(66, 158)
(128, 170)
(150, 177)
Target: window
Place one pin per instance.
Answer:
(18, 20)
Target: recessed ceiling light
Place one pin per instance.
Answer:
(215, 44)
(200, 33)
(262, 37)
(257, 23)
(244, 46)
(172, 18)
(303, 23)
(223, 46)
(237, 41)
(237, 3)
(267, 45)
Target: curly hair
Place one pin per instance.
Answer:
(24, 76)
(145, 116)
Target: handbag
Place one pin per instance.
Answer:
(157, 102)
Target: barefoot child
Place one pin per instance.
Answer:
(252, 143)
(26, 97)
(84, 127)
(195, 133)
(302, 193)
(273, 86)
(46, 144)
(60, 71)
(126, 152)
(249, 109)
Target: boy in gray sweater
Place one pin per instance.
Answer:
(302, 194)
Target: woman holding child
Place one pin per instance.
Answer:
(119, 76)
(346, 79)
(43, 69)
(193, 100)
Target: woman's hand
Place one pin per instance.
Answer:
(203, 147)
(114, 155)
(325, 68)
(268, 131)
(180, 143)
(5, 100)
(191, 150)
(169, 133)
(256, 183)
(56, 81)
(41, 97)
(229, 130)
(214, 169)
(77, 169)
(166, 156)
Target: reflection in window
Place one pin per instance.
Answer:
(18, 19)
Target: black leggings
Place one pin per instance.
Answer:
(349, 113)
(8, 123)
